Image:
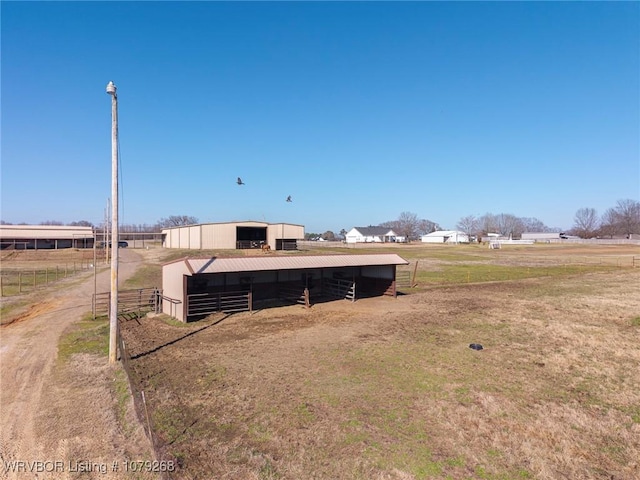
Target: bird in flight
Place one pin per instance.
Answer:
(240, 182)
(289, 199)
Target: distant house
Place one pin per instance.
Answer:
(445, 236)
(371, 235)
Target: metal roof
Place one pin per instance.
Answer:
(298, 262)
(375, 231)
(441, 233)
(49, 232)
(236, 222)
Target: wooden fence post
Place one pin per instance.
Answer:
(19, 282)
(34, 279)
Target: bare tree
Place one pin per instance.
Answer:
(469, 225)
(509, 225)
(408, 225)
(328, 235)
(427, 226)
(81, 223)
(534, 225)
(176, 221)
(487, 224)
(608, 223)
(628, 216)
(585, 223)
(51, 222)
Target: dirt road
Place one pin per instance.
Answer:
(62, 420)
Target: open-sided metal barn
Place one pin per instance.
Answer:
(196, 287)
(37, 237)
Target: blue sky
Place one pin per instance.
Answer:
(358, 110)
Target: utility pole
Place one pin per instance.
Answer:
(113, 310)
(105, 233)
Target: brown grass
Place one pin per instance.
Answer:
(389, 389)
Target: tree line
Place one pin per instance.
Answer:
(621, 220)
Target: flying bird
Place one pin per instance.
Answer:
(289, 199)
(240, 182)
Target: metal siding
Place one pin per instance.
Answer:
(194, 237)
(184, 237)
(265, 277)
(208, 238)
(172, 287)
(284, 230)
(52, 232)
(175, 238)
(378, 272)
(226, 235)
(540, 236)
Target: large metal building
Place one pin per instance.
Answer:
(36, 237)
(196, 287)
(234, 235)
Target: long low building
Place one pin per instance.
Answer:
(40, 237)
(196, 287)
(234, 235)
(445, 236)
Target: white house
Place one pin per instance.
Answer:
(445, 236)
(371, 235)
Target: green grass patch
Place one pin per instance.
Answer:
(470, 273)
(122, 394)
(147, 276)
(20, 281)
(635, 322)
(85, 336)
(9, 311)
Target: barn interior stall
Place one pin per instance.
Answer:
(195, 288)
(250, 237)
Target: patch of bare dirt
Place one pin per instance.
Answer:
(59, 420)
(385, 388)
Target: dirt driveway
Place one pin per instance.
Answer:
(59, 420)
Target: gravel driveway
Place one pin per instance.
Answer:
(62, 419)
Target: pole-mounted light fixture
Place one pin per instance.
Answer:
(113, 308)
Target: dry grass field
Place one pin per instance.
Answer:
(388, 388)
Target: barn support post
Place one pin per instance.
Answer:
(307, 303)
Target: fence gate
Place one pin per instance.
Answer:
(130, 302)
(207, 303)
(403, 279)
(339, 288)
